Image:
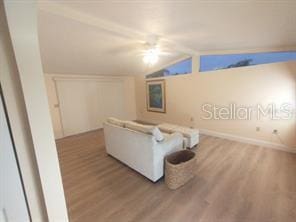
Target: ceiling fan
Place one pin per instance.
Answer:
(153, 50)
(151, 54)
(150, 50)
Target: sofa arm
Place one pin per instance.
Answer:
(173, 142)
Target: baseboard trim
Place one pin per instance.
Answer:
(241, 139)
(78, 134)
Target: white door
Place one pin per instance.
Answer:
(12, 198)
(112, 100)
(86, 103)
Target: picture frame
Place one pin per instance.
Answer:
(155, 96)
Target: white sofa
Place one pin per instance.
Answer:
(139, 150)
(191, 136)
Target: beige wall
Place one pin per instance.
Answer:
(248, 86)
(128, 101)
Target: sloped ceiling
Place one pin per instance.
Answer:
(106, 37)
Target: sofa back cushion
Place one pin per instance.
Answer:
(145, 129)
(166, 127)
(116, 122)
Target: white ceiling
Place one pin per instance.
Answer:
(106, 38)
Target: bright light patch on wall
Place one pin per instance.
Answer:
(227, 61)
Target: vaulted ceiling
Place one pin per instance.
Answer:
(107, 37)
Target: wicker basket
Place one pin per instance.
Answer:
(179, 168)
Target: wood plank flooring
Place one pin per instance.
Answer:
(234, 182)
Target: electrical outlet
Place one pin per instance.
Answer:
(258, 129)
(275, 131)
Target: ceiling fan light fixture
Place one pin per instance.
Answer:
(151, 56)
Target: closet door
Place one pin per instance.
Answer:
(86, 103)
(112, 100)
(79, 105)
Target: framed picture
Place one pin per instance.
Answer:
(155, 96)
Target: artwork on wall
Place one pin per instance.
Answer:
(155, 96)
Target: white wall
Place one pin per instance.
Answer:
(22, 24)
(80, 103)
(12, 90)
(245, 86)
(12, 202)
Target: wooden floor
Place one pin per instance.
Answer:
(234, 182)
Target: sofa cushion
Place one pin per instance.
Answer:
(187, 132)
(138, 127)
(148, 129)
(157, 134)
(171, 128)
(166, 127)
(116, 122)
